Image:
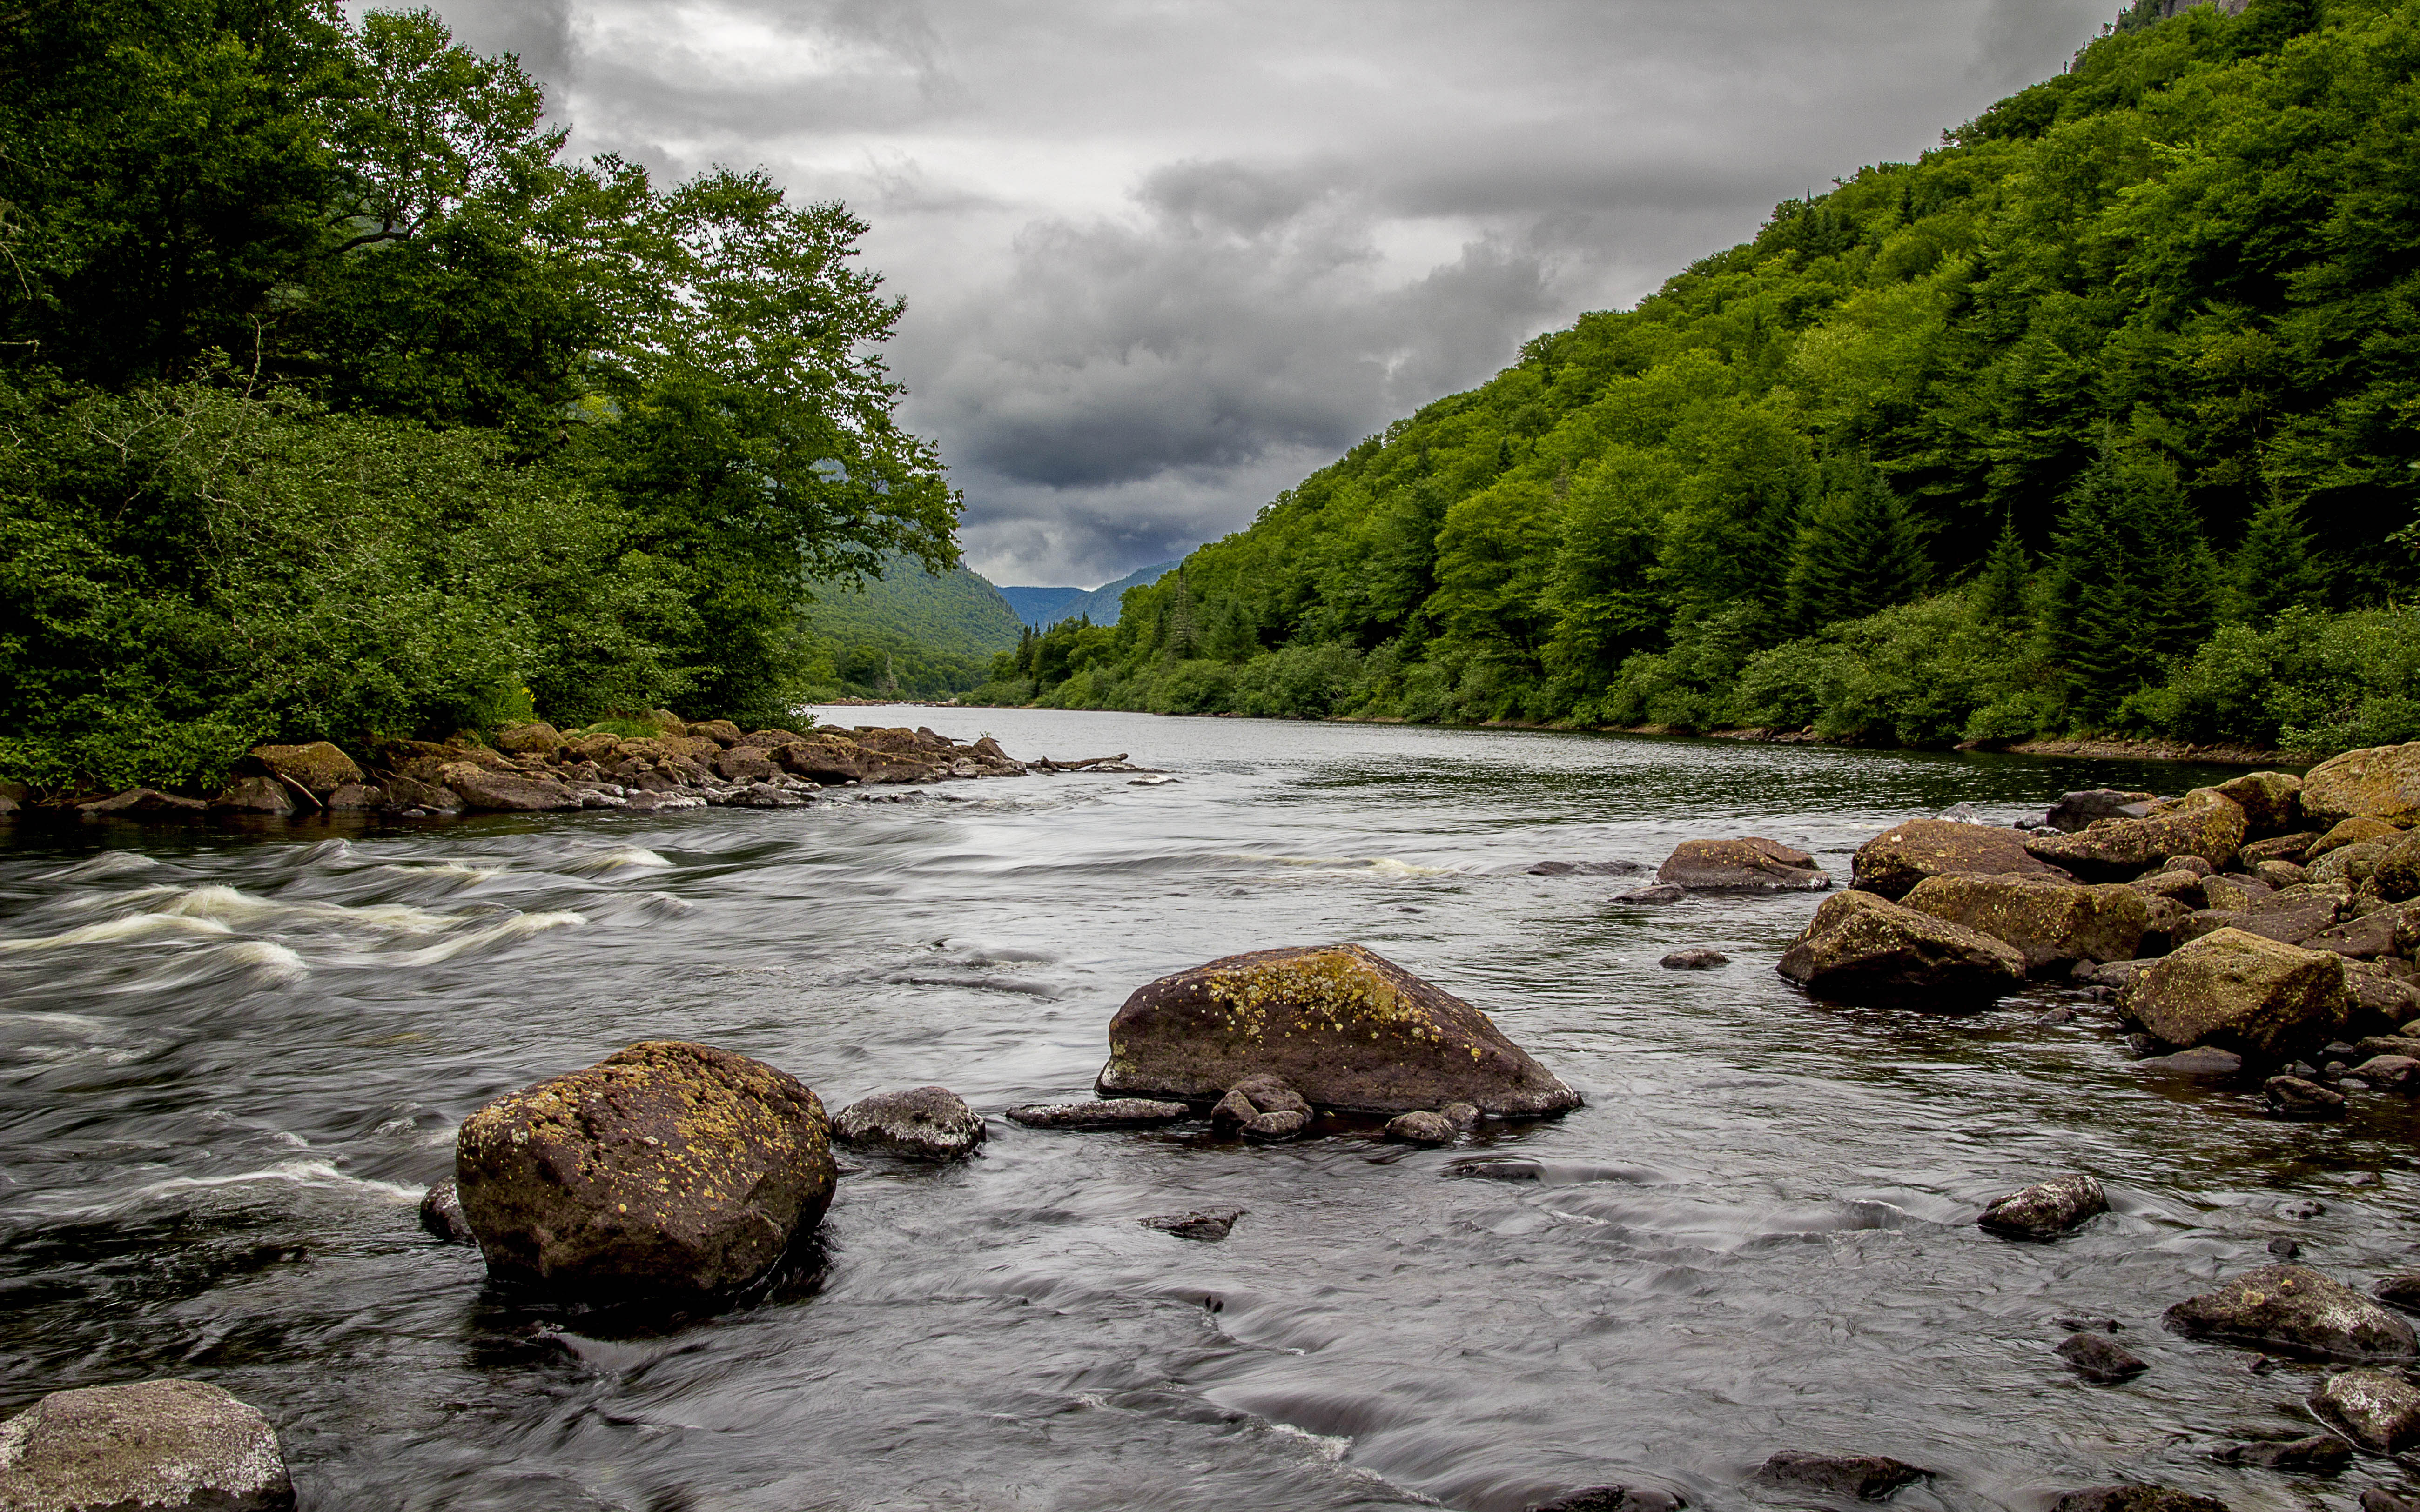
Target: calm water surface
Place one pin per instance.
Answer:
(229, 1063)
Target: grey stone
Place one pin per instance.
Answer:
(2047, 1209)
(1867, 1477)
(1208, 1225)
(441, 1214)
(1420, 1128)
(2096, 1357)
(146, 1446)
(1696, 958)
(1103, 1113)
(2295, 1308)
(2379, 1411)
(929, 1121)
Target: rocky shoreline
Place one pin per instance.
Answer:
(535, 768)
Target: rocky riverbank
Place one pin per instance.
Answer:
(535, 768)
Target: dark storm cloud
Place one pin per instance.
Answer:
(1162, 260)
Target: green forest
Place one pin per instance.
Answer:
(2102, 417)
(335, 403)
(908, 633)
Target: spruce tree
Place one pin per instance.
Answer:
(2272, 570)
(1999, 595)
(1858, 552)
(2132, 581)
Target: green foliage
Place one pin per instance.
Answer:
(2307, 681)
(956, 613)
(2130, 355)
(338, 403)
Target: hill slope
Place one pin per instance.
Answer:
(2099, 417)
(956, 613)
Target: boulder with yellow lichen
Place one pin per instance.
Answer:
(1343, 1026)
(665, 1170)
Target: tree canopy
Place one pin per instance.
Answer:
(306, 317)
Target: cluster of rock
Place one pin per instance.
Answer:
(2269, 917)
(535, 768)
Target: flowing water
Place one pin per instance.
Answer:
(230, 1062)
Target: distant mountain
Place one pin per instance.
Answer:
(1039, 607)
(1043, 608)
(958, 613)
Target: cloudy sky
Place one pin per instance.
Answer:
(1162, 259)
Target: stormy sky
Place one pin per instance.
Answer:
(1162, 259)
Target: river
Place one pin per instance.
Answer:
(230, 1062)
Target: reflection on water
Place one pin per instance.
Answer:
(228, 1063)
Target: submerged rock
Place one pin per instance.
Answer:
(2202, 1060)
(930, 1122)
(2399, 1292)
(2135, 1499)
(2321, 1454)
(1695, 958)
(1867, 1477)
(1261, 1108)
(2047, 1209)
(1343, 1026)
(2096, 1357)
(2298, 1097)
(1861, 946)
(146, 1446)
(2379, 1411)
(2295, 1308)
(1750, 864)
(1208, 1225)
(667, 1168)
(1611, 1499)
(1421, 1127)
(1661, 892)
(2051, 923)
(143, 803)
(1105, 1113)
(441, 1215)
(1897, 859)
(2242, 992)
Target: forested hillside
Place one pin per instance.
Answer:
(335, 403)
(907, 634)
(2103, 416)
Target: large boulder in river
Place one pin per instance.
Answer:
(2380, 782)
(2379, 1411)
(1859, 945)
(2240, 992)
(1897, 859)
(2202, 823)
(2047, 1209)
(2295, 1308)
(2052, 923)
(145, 1446)
(504, 792)
(1343, 1026)
(664, 1169)
(1750, 864)
(318, 768)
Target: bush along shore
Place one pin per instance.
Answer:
(535, 768)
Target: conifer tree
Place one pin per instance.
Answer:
(1999, 596)
(1184, 638)
(2272, 570)
(2132, 582)
(1858, 552)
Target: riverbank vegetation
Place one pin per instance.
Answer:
(2102, 417)
(335, 403)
